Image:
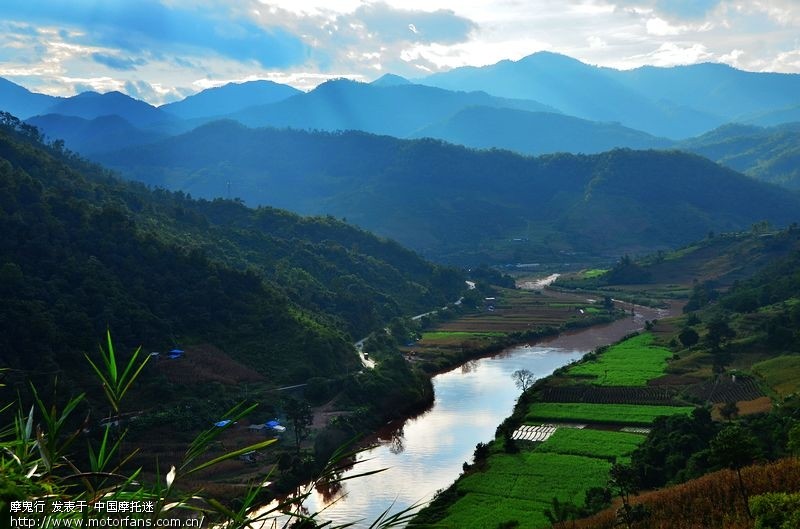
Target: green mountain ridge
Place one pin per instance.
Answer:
(83, 251)
(447, 201)
(769, 154)
(536, 133)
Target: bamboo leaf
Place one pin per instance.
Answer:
(231, 455)
(112, 360)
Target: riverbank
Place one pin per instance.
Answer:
(505, 319)
(513, 481)
(425, 453)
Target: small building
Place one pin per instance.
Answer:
(275, 427)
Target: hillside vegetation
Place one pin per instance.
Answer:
(436, 198)
(83, 252)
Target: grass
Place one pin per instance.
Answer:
(781, 373)
(600, 413)
(594, 272)
(629, 363)
(592, 443)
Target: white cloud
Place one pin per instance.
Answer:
(660, 27)
(596, 42)
(360, 39)
(673, 54)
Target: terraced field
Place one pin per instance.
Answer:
(521, 311)
(727, 389)
(648, 395)
(600, 413)
(514, 311)
(614, 446)
(629, 363)
(521, 486)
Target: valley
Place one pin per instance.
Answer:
(537, 292)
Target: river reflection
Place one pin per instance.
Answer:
(426, 453)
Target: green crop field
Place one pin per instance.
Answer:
(592, 443)
(520, 486)
(447, 335)
(629, 363)
(600, 413)
(594, 272)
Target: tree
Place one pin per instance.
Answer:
(734, 447)
(793, 445)
(523, 379)
(624, 481)
(688, 337)
(300, 416)
(729, 410)
(560, 513)
(608, 303)
(719, 332)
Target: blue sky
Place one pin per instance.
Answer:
(162, 50)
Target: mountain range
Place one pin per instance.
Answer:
(450, 202)
(771, 154)
(84, 252)
(544, 103)
(676, 103)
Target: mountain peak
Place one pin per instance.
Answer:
(550, 58)
(390, 79)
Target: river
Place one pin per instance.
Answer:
(424, 454)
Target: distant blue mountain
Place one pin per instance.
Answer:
(789, 114)
(446, 201)
(229, 99)
(536, 132)
(90, 105)
(675, 102)
(715, 88)
(21, 102)
(397, 110)
(93, 136)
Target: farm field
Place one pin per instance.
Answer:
(782, 374)
(513, 311)
(521, 486)
(459, 336)
(600, 413)
(522, 310)
(601, 444)
(645, 395)
(629, 363)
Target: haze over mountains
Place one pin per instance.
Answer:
(453, 203)
(676, 102)
(441, 199)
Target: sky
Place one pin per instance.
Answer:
(164, 50)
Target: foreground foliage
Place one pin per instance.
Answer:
(40, 465)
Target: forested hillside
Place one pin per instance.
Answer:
(770, 154)
(457, 204)
(83, 251)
